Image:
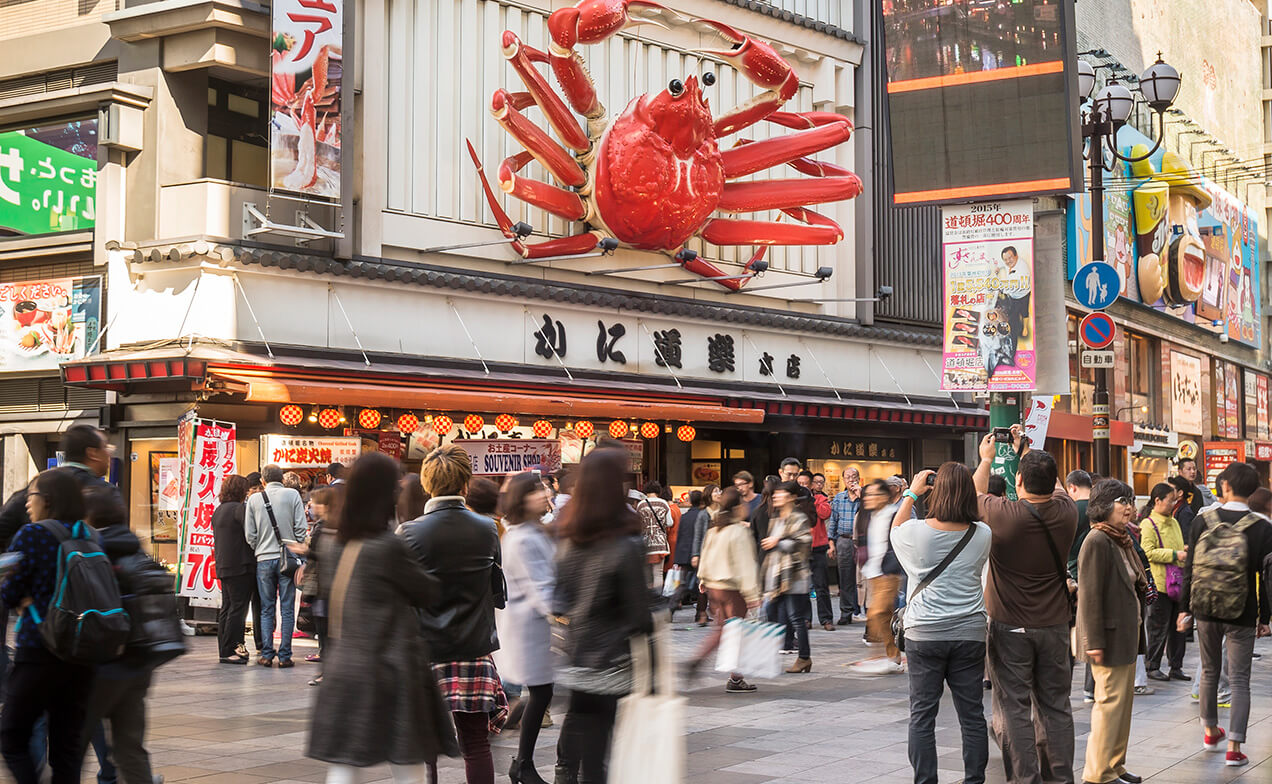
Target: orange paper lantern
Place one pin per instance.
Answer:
(473, 423)
(369, 419)
(649, 430)
(584, 429)
(329, 418)
(618, 428)
(505, 422)
(291, 415)
(686, 433)
(408, 423)
(542, 428)
(442, 424)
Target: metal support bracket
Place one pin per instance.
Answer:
(256, 223)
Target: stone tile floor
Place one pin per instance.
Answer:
(217, 724)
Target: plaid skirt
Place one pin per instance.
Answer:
(473, 686)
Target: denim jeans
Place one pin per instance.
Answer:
(961, 664)
(790, 610)
(276, 588)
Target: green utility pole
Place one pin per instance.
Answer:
(1004, 411)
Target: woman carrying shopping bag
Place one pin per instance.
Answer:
(726, 570)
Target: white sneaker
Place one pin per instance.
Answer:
(884, 666)
(860, 618)
(186, 629)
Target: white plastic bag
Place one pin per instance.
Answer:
(649, 732)
(671, 581)
(752, 649)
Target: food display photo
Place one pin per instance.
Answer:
(46, 322)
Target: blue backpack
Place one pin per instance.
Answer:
(85, 622)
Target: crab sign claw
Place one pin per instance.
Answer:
(590, 22)
(760, 63)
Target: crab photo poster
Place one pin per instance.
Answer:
(305, 79)
(988, 297)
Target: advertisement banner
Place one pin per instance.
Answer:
(1186, 409)
(1262, 404)
(46, 322)
(48, 178)
(988, 292)
(306, 72)
(211, 459)
(1232, 400)
(1038, 421)
(1218, 455)
(512, 455)
(1250, 390)
(287, 451)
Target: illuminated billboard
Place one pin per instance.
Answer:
(981, 99)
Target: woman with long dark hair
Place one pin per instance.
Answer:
(603, 601)
(378, 701)
(525, 654)
(1163, 543)
(727, 575)
(235, 569)
(945, 618)
(787, 578)
(763, 512)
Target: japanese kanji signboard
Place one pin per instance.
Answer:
(210, 459)
(512, 455)
(306, 74)
(46, 322)
(309, 451)
(988, 308)
(48, 178)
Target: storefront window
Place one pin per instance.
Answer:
(1143, 383)
(237, 148)
(1081, 380)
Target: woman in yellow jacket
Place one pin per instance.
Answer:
(1163, 543)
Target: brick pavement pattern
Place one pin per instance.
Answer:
(219, 724)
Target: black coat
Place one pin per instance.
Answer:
(601, 589)
(234, 557)
(461, 549)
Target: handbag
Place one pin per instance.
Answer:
(649, 730)
(1174, 575)
(671, 583)
(290, 563)
(898, 615)
(655, 533)
(751, 648)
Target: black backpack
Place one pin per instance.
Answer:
(151, 603)
(86, 622)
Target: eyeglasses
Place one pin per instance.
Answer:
(1129, 500)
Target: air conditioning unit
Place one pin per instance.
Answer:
(120, 127)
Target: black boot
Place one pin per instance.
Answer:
(566, 773)
(523, 772)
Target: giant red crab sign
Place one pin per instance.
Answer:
(651, 177)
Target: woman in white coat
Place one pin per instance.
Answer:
(525, 654)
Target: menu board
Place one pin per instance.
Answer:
(1218, 455)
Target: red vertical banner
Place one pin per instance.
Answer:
(1262, 404)
(211, 459)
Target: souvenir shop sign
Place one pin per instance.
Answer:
(210, 459)
(988, 297)
(1181, 244)
(512, 455)
(309, 451)
(306, 70)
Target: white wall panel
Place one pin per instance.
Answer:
(445, 63)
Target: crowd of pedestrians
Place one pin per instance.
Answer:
(435, 597)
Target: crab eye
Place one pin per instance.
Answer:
(708, 78)
(675, 87)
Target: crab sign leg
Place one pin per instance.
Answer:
(536, 141)
(522, 59)
(558, 201)
(760, 63)
(819, 231)
(786, 194)
(750, 157)
(588, 22)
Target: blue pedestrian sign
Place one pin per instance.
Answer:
(1096, 285)
(1097, 330)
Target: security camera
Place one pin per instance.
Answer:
(684, 255)
(759, 267)
(608, 245)
(823, 273)
(522, 230)
(884, 292)
(1223, 337)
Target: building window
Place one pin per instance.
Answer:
(1081, 380)
(237, 147)
(1144, 381)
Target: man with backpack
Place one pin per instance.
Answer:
(274, 516)
(1231, 545)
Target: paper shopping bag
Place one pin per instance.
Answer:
(752, 649)
(649, 732)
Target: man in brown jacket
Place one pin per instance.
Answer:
(1111, 584)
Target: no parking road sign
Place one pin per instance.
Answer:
(1097, 331)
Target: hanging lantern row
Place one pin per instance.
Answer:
(474, 423)
(369, 418)
(584, 429)
(686, 433)
(291, 415)
(505, 422)
(442, 424)
(542, 428)
(408, 423)
(330, 418)
(649, 430)
(618, 429)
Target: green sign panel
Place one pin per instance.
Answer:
(43, 188)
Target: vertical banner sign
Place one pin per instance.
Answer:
(211, 460)
(1186, 408)
(306, 71)
(988, 297)
(1262, 386)
(1038, 421)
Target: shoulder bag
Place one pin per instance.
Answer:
(1061, 571)
(290, 563)
(1174, 575)
(898, 615)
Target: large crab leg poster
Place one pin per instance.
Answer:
(304, 122)
(988, 297)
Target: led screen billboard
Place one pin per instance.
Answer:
(981, 99)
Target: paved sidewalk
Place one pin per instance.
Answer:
(219, 724)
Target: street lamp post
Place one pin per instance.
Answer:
(1101, 120)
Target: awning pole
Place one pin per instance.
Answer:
(894, 378)
(252, 313)
(332, 291)
(762, 362)
(455, 310)
(658, 351)
(825, 375)
(937, 376)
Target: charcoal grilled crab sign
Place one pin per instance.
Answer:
(305, 79)
(652, 177)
